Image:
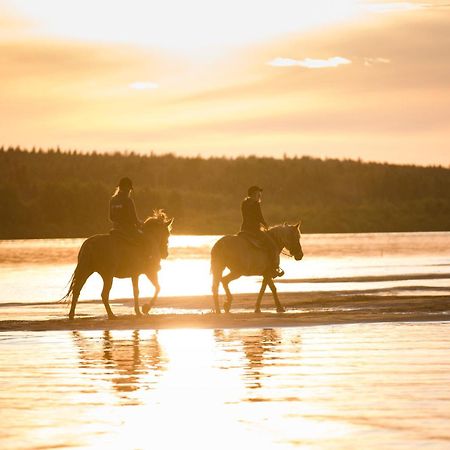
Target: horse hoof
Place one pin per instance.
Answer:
(71, 317)
(112, 317)
(281, 310)
(257, 311)
(146, 308)
(138, 313)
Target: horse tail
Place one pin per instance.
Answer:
(71, 283)
(80, 274)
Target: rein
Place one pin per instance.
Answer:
(279, 242)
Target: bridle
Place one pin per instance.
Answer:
(286, 254)
(283, 252)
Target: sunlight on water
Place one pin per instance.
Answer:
(336, 387)
(38, 270)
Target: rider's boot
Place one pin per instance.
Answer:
(277, 272)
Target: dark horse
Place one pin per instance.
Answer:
(242, 257)
(111, 256)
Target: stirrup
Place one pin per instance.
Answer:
(278, 272)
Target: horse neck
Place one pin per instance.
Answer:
(154, 241)
(278, 236)
(152, 237)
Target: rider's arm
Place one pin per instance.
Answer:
(260, 216)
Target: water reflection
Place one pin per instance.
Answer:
(355, 386)
(259, 348)
(48, 264)
(134, 363)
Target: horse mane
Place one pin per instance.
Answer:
(279, 230)
(281, 225)
(276, 230)
(278, 225)
(159, 215)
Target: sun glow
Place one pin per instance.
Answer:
(189, 27)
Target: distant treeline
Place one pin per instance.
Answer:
(65, 194)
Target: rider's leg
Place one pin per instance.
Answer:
(274, 255)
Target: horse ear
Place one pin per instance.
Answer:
(285, 224)
(169, 222)
(298, 224)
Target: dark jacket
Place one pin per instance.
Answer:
(122, 212)
(252, 217)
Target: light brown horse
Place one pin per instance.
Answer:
(111, 257)
(242, 257)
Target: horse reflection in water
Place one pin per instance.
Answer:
(242, 257)
(130, 359)
(260, 350)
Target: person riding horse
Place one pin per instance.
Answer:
(130, 249)
(252, 221)
(127, 228)
(122, 213)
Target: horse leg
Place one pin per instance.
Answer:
(217, 275)
(135, 281)
(273, 288)
(260, 295)
(78, 282)
(153, 278)
(225, 281)
(107, 283)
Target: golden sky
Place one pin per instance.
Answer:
(325, 78)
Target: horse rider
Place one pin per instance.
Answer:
(122, 212)
(252, 221)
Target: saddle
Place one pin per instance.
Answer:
(129, 251)
(251, 239)
(123, 238)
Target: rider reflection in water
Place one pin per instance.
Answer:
(253, 220)
(122, 212)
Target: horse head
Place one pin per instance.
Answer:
(290, 238)
(157, 230)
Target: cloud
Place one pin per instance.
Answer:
(371, 61)
(11, 21)
(393, 7)
(309, 63)
(141, 85)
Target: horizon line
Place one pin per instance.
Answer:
(153, 153)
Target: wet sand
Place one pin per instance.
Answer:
(302, 309)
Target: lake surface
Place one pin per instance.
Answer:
(356, 386)
(38, 270)
(368, 386)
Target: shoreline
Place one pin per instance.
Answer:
(302, 309)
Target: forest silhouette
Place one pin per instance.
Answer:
(51, 193)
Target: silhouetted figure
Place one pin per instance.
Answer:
(122, 212)
(104, 254)
(243, 256)
(253, 221)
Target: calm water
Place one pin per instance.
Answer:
(366, 386)
(356, 386)
(38, 270)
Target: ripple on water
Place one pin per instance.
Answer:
(340, 386)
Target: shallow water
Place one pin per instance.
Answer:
(38, 270)
(365, 386)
